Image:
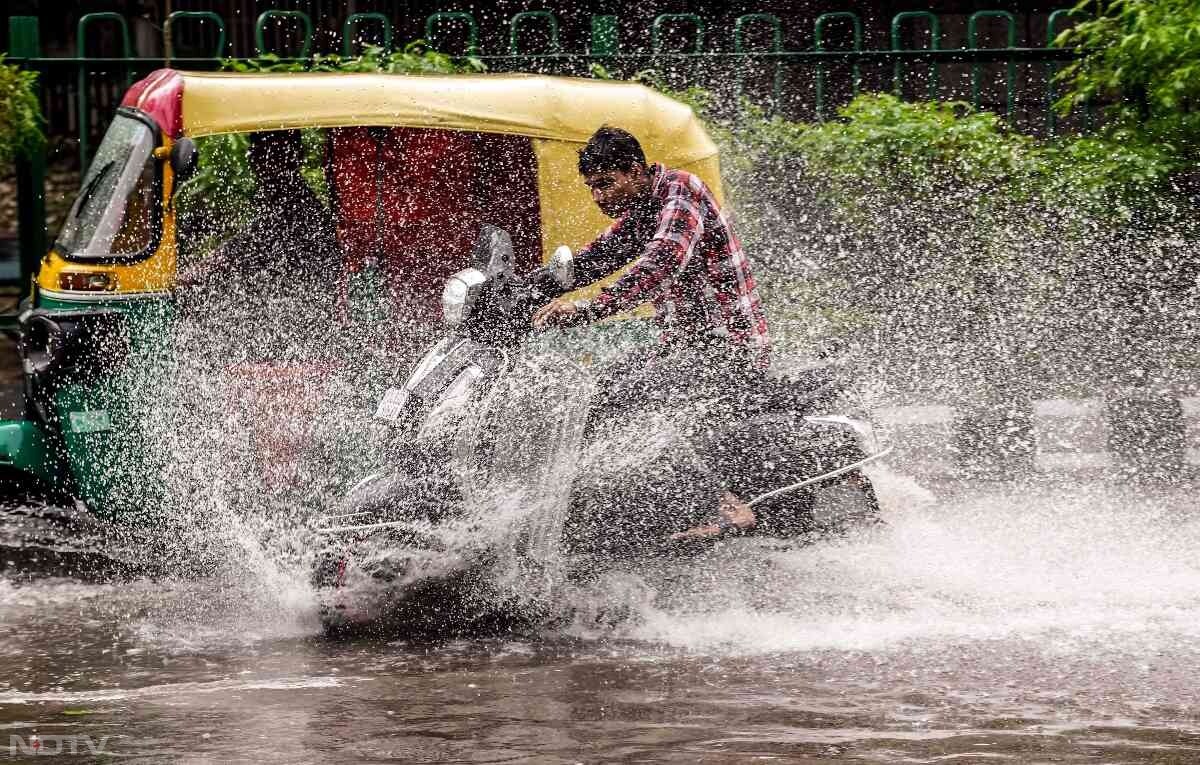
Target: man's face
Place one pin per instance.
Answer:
(615, 191)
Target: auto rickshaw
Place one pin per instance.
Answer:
(414, 164)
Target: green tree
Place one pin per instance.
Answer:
(1143, 57)
(20, 114)
(955, 252)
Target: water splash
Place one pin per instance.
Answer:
(1080, 561)
(260, 420)
(1074, 563)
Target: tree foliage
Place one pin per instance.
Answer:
(949, 248)
(20, 114)
(1143, 56)
(417, 57)
(936, 148)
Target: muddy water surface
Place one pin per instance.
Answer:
(1036, 626)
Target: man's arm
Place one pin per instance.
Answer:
(604, 255)
(679, 228)
(611, 250)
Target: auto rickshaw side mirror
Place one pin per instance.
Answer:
(562, 267)
(184, 160)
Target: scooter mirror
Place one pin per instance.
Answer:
(562, 267)
(184, 159)
(494, 254)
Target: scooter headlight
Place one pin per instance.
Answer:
(562, 267)
(460, 294)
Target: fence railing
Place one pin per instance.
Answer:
(837, 64)
(81, 92)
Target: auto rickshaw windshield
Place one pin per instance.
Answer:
(117, 212)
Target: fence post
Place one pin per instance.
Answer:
(739, 46)
(24, 42)
(605, 36)
(935, 43)
(662, 18)
(819, 44)
(463, 16)
(80, 44)
(259, 42)
(514, 27)
(1052, 71)
(1011, 68)
(203, 16)
(656, 41)
(354, 18)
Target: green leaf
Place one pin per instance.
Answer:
(21, 119)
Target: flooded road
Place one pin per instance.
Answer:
(1035, 625)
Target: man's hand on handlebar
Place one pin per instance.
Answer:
(557, 313)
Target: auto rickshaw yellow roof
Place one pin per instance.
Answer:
(555, 108)
(558, 114)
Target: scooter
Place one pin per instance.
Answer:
(497, 493)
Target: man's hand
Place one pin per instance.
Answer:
(558, 312)
(733, 515)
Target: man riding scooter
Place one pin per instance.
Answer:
(686, 261)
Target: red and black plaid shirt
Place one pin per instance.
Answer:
(689, 264)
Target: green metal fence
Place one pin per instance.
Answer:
(804, 84)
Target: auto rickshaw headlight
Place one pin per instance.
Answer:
(87, 281)
(459, 296)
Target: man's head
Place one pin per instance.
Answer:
(275, 157)
(613, 166)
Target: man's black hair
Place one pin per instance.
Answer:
(610, 148)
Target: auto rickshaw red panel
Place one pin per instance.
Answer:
(413, 200)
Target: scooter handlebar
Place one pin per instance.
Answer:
(542, 286)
